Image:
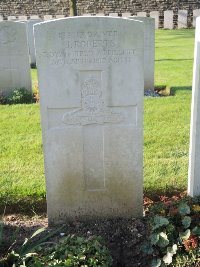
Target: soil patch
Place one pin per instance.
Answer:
(123, 237)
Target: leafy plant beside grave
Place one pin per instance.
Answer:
(174, 238)
(17, 96)
(67, 251)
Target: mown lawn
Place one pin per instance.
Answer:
(166, 129)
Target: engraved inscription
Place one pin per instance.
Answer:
(93, 110)
(7, 35)
(88, 48)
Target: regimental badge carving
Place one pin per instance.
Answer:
(7, 35)
(93, 110)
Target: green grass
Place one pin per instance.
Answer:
(166, 129)
(167, 119)
(21, 164)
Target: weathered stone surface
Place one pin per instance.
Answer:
(149, 51)
(196, 13)
(155, 15)
(14, 59)
(182, 19)
(194, 155)
(168, 19)
(30, 37)
(91, 88)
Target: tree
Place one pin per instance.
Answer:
(72, 8)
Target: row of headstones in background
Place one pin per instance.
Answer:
(149, 43)
(91, 83)
(168, 17)
(14, 57)
(194, 155)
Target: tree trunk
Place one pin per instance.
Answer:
(72, 8)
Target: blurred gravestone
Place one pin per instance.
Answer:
(141, 14)
(149, 50)
(30, 37)
(168, 19)
(14, 60)
(182, 19)
(196, 13)
(155, 15)
(91, 87)
(194, 157)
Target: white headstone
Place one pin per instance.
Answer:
(126, 14)
(196, 13)
(86, 15)
(100, 14)
(14, 59)
(168, 19)
(34, 17)
(60, 16)
(48, 17)
(141, 14)
(30, 36)
(12, 18)
(91, 90)
(194, 155)
(182, 19)
(155, 15)
(22, 18)
(113, 14)
(149, 50)
(1, 18)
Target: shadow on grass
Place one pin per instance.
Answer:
(29, 206)
(175, 89)
(170, 59)
(169, 191)
(176, 33)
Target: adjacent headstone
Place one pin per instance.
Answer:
(14, 60)
(48, 17)
(149, 51)
(168, 19)
(30, 36)
(91, 97)
(141, 14)
(100, 14)
(60, 16)
(34, 17)
(113, 14)
(24, 18)
(12, 18)
(194, 155)
(126, 15)
(182, 19)
(1, 18)
(155, 15)
(86, 15)
(196, 13)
